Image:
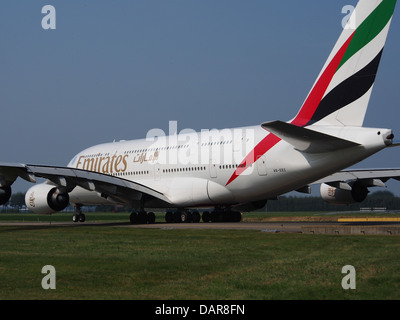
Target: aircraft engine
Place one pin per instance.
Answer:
(46, 199)
(5, 194)
(333, 195)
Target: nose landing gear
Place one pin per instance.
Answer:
(78, 215)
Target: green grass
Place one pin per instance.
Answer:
(97, 262)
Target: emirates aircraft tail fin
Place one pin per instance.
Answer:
(341, 93)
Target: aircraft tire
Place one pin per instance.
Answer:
(133, 218)
(184, 217)
(237, 216)
(151, 218)
(169, 217)
(176, 217)
(195, 216)
(142, 217)
(206, 216)
(81, 217)
(217, 216)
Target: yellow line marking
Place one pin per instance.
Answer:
(369, 220)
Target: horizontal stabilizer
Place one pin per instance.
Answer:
(369, 177)
(307, 140)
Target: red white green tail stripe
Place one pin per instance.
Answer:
(338, 95)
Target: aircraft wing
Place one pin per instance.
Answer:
(369, 177)
(114, 187)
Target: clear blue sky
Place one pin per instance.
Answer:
(116, 69)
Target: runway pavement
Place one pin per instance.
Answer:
(326, 227)
(271, 227)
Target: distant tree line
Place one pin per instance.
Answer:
(17, 200)
(379, 199)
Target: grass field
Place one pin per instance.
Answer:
(98, 262)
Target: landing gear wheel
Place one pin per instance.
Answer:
(177, 217)
(169, 217)
(206, 216)
(217, 216)
(133, 218)
(195, 216)
(185, 217)
(151, 218)
(75, 217)
(236, 216)
(142, 217)
(222, 215)
(78, 217)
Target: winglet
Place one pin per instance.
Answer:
(307, 140)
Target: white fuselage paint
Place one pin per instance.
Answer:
(193, 170)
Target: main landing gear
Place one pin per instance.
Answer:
(142, 217)
(179, 216)
(218, 215)
(188, 216)
(182, 216)
(222, 215)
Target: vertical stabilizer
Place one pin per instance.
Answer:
(341, 93)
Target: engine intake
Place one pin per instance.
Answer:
(46, 199)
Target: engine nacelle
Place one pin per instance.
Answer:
(5, 194)
(46, 199)
(339, 196)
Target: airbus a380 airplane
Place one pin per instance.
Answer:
(235, 170)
